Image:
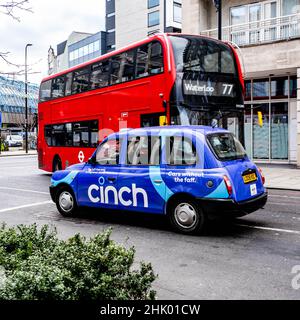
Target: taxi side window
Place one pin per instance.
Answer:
(108, 153)
(143, 150)
(180, 151)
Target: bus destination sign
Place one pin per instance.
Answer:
(202, 88)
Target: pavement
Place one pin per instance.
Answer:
(281, 176)
(17, 153)
(248, 258)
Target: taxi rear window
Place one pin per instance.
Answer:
(226, 146)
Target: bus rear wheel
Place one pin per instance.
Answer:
(186, 216)
(56, 166)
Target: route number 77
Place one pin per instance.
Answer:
(227, 89)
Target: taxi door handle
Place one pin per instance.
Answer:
(111, 179)
(158, 181)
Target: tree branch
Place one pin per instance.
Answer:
(10, 7)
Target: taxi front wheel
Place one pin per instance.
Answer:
(187, 217)
(66, 202)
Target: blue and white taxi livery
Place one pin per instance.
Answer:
(188, 173)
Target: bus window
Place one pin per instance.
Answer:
(58, 87)
(68, 79)
(58, 135)
(142, 61)
(45, 91)
(81, 134)
(100, 74)
(156, 59)
(116, 76)
(69, 135)
(94, 133)
(127, 65)
(48, 135)
(80, 81)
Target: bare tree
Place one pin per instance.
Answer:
(12, 8)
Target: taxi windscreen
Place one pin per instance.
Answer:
(226, 146)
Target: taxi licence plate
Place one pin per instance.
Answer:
(249, 177)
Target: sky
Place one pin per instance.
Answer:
(51, 22)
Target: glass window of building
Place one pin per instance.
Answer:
(279, 130)
(293, 87)
(248, 90)
(289, 7)
(153, 19)
(238, 15)
(261, 89)
(177, 12)
(279, 88)
(261, 134)
(153, 3)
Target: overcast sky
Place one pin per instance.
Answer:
(51, 22)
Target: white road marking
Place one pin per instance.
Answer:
(25, 206)
(269, 229)
(24, 190)
(278, 196)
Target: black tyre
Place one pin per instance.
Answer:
(186, 216)
(56, 164)
(66, 202)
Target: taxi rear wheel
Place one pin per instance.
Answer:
(66, 202)
(186, 216)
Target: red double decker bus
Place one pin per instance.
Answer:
(164, 79)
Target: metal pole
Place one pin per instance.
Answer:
(220, 20)
(165, 16)
(26, 99)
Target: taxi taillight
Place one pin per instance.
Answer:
(263, 179)
(228, 185)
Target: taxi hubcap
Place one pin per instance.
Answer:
(185, 215)
(66, 201)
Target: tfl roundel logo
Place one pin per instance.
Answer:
(81, 156)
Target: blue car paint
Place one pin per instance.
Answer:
(148, 188)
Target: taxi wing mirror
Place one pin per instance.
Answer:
(92, 160)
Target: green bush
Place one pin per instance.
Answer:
(39, 266)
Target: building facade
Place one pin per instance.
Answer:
(12, 104)
(78, 48)
(129, 21)
(268, 34)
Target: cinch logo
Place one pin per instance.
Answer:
(198, 89)
(103, 194)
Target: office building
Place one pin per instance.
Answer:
(12, 104)
(129, 21)
(78, 48)
(268, 34)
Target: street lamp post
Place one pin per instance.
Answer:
(218, 5)
(26, 99)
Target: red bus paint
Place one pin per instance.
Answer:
(71, 111)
